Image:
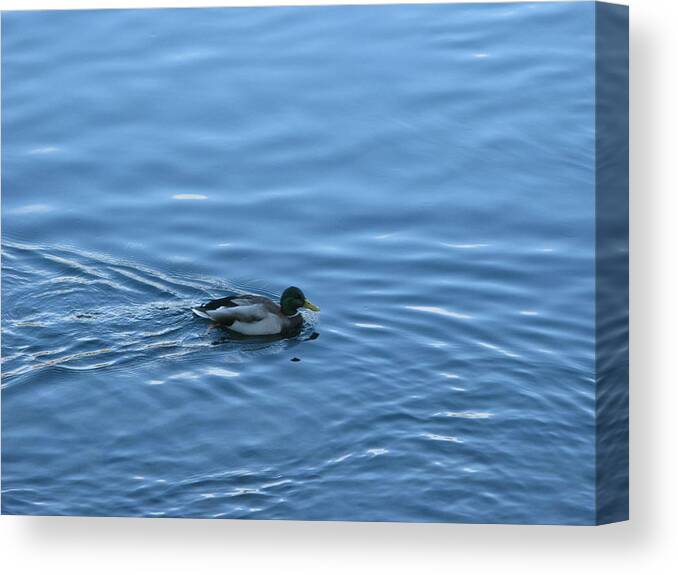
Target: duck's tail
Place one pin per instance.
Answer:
(200, 313)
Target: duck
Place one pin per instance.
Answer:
(253, 315)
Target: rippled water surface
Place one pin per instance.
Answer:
(423, 173)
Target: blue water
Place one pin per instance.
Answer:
(424, 173)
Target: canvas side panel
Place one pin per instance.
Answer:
(612, 263)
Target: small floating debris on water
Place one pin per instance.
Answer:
(83, 315)
(295, 359)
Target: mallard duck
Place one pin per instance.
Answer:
(257, 315)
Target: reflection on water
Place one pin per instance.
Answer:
(423, 173)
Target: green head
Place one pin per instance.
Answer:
(292, 299)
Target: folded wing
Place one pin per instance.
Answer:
(227, 315)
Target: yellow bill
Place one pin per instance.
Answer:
(311, 306)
